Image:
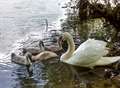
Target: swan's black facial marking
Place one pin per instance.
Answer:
(65, 45)
(60, 38)
(13, 57)
(63, 42)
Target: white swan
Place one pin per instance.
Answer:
(89, 54)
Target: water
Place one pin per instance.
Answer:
(20, 17)
(23, 21)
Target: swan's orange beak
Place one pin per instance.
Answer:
(61, 39)
(63, 43)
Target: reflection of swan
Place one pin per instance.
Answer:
(116, 81)
(113, 75)
(89, 54)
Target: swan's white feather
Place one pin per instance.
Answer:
(92, 47)
(107, 60)
(88, 52)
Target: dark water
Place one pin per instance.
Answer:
(23, 21)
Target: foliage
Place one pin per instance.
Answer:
(70, 23)
(83, 15)
(99, 19)
(110, 11)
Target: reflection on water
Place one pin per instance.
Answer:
(64, 76)
(53, 74)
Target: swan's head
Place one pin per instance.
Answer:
(16, 59)
(24, 51)
(63, 40)
(65, 36)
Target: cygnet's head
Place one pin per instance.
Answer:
(41, 44)
(24, 51)
(12, 55)
(17, 59)
(22, 60)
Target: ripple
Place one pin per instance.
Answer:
(1, 55)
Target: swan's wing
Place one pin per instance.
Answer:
(88, 52)
(107, 60)
(92, 47)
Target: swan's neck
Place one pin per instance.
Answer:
(42, 47)
(28, 58)
(71, 48)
